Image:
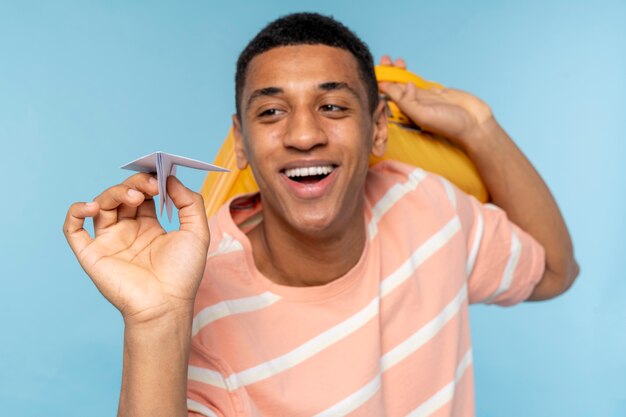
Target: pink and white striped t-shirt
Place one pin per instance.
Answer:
(390, 338)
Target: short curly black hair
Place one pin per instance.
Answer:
(308, 29)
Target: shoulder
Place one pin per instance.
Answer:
(410, 195)
(407, 201)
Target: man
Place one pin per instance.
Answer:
(339, 289)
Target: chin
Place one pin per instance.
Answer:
(316, 224)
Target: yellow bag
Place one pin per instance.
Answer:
(406, 144)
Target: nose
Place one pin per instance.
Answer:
(304, 130)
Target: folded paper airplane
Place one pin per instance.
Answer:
(164, 164)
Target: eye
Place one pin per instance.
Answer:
(270, 112)
(332, 108)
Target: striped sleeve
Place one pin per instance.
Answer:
(504, 263)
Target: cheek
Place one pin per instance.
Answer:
(351, 136)
(262, 142)
(263, 149)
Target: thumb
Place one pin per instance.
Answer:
(395, 91)
(416, 103)
(190, 205)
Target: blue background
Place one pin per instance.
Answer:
(88, 86)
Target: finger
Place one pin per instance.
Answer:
(406, 94)
(147, 209)
(400, 63)
(411, 91)
(385, 60)
(144, 183)
(395, 91)
(122, 200)
(110, 200)
(76, 235)
(190, 205)
(125, 211)
(416, 103)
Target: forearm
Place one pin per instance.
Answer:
(154, 377)
(516, 187)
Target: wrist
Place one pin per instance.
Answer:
(484, 137)
(158, 337)
(161, 318)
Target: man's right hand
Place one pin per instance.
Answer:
(142, 270)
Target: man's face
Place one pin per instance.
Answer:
(307, 132)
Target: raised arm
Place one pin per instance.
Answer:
(512, 181)
(152, 277)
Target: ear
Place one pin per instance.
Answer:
(240, 148)
(379, 145)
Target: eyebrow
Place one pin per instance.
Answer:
(263, 92)
(327, 86)
(336, 85)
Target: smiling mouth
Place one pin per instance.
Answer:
(309, 175)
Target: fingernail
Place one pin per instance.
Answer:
(90, 204)
(152, 180)
(133, 193)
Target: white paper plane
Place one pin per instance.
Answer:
(164, 164)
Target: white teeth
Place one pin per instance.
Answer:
(309, 171)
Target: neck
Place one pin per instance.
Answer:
(289, 257)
